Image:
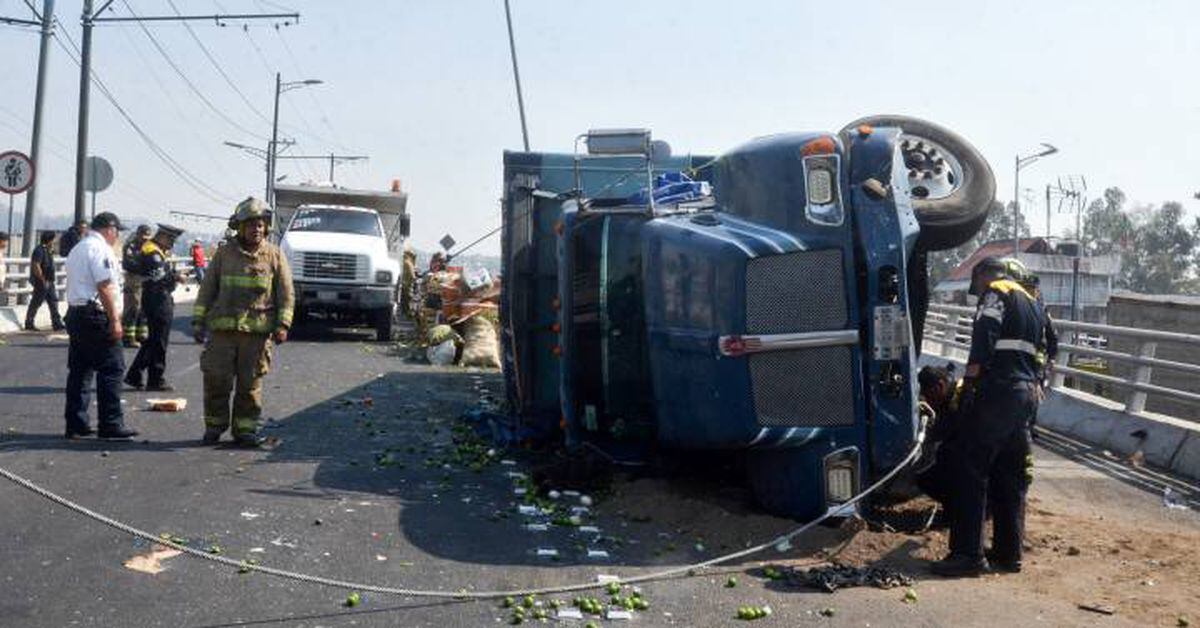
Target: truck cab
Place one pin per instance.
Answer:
(764, 300)
(344, 247)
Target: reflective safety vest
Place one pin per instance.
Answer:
(246, 291)
(1008, 334)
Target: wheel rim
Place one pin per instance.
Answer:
(933, 172)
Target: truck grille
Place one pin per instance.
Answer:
(335, 266)
(800, 292)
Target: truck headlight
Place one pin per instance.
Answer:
(823, 203)
(383, 276)
(841, 476)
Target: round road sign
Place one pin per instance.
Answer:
(16, 172)
(97, 174)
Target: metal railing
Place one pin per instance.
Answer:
(950, 326)
(17, 287)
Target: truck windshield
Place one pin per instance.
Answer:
(336, 221)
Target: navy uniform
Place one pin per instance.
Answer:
(992, 452)
(94, 325)
(159, 278)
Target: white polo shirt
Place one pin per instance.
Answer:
(91, 262)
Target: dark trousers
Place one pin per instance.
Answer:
(159, 310)
(989, 460)
(93, 352)
(48, 294)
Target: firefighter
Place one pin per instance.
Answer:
(133, 320)
(992, 453)
(244, 303)
(158, 277)
(1048, 350)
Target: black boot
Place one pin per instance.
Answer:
(959, 566)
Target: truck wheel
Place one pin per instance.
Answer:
(952, 185)
(384, 324)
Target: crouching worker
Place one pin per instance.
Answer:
(940, 390)
(244, 304)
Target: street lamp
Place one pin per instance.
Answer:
(1021, 162)
(280, 87)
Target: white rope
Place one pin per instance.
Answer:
(462, 594)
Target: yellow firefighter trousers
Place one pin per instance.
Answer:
(234, 361)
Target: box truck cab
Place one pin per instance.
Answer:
(344, 248)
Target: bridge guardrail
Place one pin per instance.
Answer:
(950, 326)
(17, 283)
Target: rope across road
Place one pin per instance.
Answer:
(463, 593)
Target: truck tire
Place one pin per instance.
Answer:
(952, 184)
(385, 324)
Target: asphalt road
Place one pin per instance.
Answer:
(411, 522)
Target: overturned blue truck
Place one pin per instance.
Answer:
(769, 299)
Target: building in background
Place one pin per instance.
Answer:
(1053, 261)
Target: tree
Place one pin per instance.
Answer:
(1161, 256)
(1107, 227)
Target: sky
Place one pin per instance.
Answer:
(425, 89)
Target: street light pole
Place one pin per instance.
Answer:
(85, 83)
(1018, 163)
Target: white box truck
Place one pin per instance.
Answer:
(344, 247)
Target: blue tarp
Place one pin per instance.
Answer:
(673, 187)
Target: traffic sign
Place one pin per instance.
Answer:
(16, 172)
(446, 242)
(97, 174)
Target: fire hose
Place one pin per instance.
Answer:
(780, 541)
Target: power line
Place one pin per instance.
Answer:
(187, 81)
(217, 66)
(184, 175)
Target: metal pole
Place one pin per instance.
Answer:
(10, 217)
(331, 167)
(271, 149)
(1048, 233)
(1016, 207)
(36, 141)
(85, 82)
(512, 47)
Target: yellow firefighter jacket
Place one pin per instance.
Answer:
(245, 291)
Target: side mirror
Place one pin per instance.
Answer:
(405, 225)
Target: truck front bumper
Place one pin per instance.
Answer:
(342, 297)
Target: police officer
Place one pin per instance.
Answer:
(134, 321)
(158, 279)
(993, 449)
(42, 280)
(244, 303)
(94, 325)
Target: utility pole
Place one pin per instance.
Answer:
(270, 199)
(512, 48)
(89, 20)
(85, 83)
(46, 21)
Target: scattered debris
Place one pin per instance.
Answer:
(250, 515)
(750, 613)
(731, 582)
(828, 611)
(910, 596)
(1072, 551)
(166, 405)
(151, 563)
(354, 599)
(833, 577)
(1097, 608)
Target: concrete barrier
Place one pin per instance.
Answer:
(12, 317)
(1166, 442)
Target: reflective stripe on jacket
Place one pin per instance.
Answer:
(246, 291)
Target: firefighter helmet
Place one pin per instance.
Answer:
(250, 209)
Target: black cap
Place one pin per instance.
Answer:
(143, 230)
(170, 231)
(107, 219)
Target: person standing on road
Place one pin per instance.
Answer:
(199, 261)
(94, 326)
(158, 279)
(41, 279)
(71, 237)
(245, 303)
(992, 454)
(134, 320)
